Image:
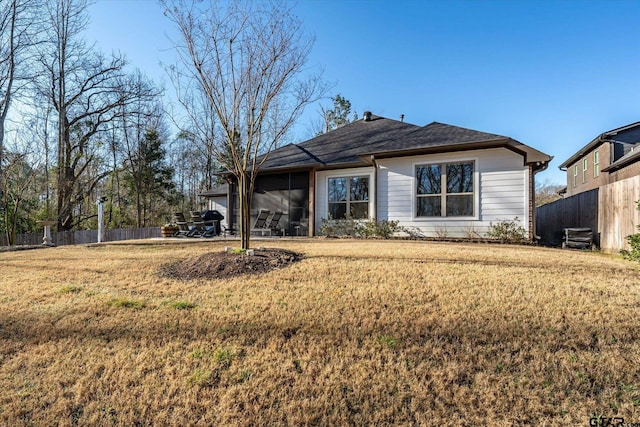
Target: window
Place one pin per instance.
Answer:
(349, 195)
(444, 190)
(596, 163)
(575, 175)
(584, 169)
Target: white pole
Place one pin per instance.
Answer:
(100, 203)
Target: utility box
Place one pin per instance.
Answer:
(578, 238)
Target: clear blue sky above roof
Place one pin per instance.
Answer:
(551, 74)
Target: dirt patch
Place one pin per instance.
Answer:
(221, 265)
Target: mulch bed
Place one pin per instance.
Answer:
(221, 265)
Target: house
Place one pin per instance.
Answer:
(217, 200)
(603, 185)
(436, 180)
(611, 156)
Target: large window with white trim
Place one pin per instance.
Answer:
(349, 195)
(445, 190)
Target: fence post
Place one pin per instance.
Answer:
(100, 203)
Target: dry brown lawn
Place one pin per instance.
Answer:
(357, 333)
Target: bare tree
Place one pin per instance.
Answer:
(86, 89)
(147, 174)
(247, 60)
(17, 31)
(547, 192)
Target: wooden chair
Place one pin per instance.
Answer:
(202, 229)
(183, 226)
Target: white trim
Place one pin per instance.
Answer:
(476, 189)
(322, 190)
(529, 215)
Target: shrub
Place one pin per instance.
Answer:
(384, 229)
(369, 228)
(507, 231)
(339, 227)
(634, 243)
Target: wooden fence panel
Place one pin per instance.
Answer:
(85, 236)
(609, 211)
(620, 217)
(580, 210)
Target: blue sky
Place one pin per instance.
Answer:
(551, 74)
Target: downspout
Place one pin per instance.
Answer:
(375, 188)
(532, 184)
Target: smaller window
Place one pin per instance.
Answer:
(575, 175)
(349, 196)
(584, 169)
(596, 163)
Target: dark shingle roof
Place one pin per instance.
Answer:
(435, 135)
(353, 144)
(218, 190)
(342, 146)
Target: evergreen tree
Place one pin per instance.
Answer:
(337, 116)
(149, 179)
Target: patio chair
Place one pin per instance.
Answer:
(203, 228)
(183, 225)
(228, 230)
(302, 228)
(206, 227)
(261, 222)
(274, 222)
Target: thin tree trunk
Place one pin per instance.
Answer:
(245, 211)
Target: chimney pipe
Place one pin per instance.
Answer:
(367, 116)
(402, 117)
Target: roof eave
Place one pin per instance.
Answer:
(530, 155)
(464, 146)
(603, 137)
(622, 162)
(584, 150)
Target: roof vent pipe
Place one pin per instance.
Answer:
(367, 116)
(402, 117)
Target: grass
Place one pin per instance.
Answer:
(126, 303)
(358, 333)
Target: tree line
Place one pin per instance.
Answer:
(78, 124)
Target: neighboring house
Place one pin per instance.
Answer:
(436, 180)
(612, 156)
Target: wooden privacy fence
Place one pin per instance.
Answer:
(580, 210)
(610, 211)
(85, 236)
